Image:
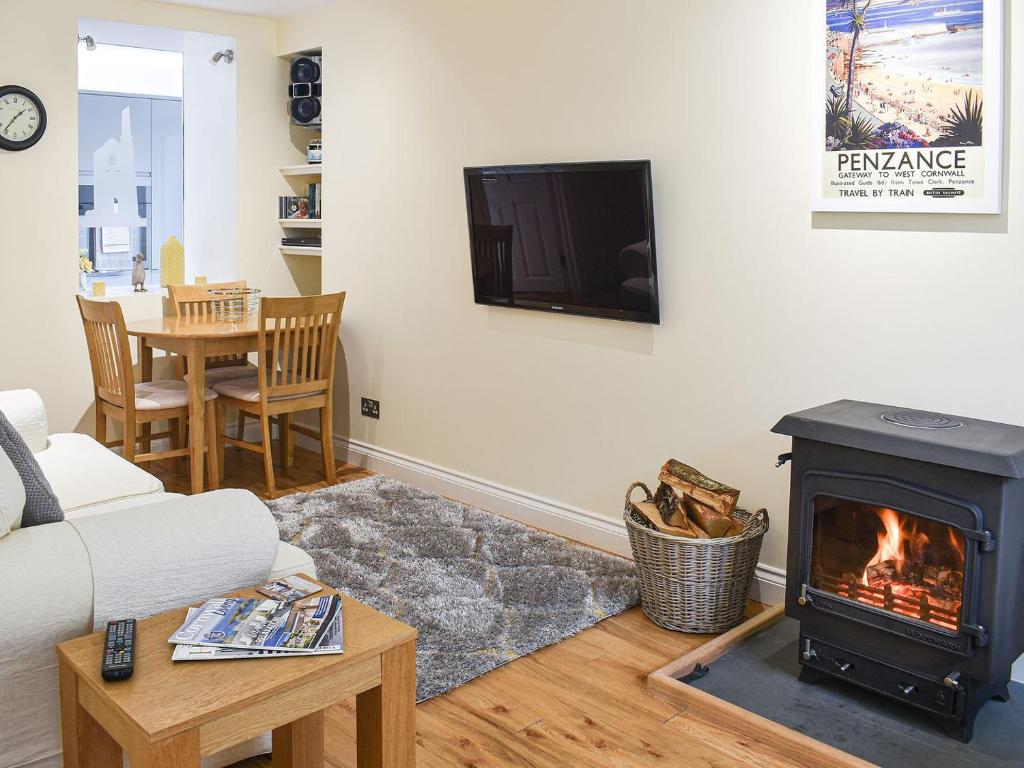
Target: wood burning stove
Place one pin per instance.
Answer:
(906, 545)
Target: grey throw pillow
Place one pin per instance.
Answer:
(41, 506)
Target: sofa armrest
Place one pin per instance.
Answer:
(48, 599)
(149, 559)
(48, 594)
(25, 410)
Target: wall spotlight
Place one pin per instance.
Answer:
(227, 55)
(90, 44)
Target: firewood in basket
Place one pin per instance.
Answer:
(649, 511)
(680, 519)
(687, 481)
(709, 520)
(667, 501)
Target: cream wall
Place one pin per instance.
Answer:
(766, 308)
(41, 345)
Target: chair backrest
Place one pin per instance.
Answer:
(297, 357)
(194, 302)
(109, 351)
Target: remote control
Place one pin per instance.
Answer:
(119, 650)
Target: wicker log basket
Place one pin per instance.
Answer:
(694, 585)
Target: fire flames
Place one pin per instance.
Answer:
(916, 571)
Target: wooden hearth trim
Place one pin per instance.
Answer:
(709, 710)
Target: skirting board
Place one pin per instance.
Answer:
(574, 523)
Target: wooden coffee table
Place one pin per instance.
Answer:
(169, 714)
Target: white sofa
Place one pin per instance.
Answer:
(125, 549)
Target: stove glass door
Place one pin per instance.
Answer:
(890, 560)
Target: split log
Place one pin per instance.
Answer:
(688, 482)
(649, 511)
(710, 521)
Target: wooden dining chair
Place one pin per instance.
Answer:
(295, 373)
(118, 397)
(195, 303)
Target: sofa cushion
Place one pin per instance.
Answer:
(83, 473)
(130, 502)
(41, 505)
(25, 410)
(291, 560)
(12, 496)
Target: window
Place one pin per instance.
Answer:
(131, 163)
(157, 113)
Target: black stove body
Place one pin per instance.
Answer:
(906, 554)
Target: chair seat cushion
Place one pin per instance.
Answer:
(227, 373)
(167, 393)
(248, 389)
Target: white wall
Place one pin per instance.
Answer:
(766, 308)
(41, 344)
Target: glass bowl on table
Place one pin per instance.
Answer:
(235, 305)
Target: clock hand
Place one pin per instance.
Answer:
(15, 118)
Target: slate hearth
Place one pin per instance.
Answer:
(761, 676)
(906, 552)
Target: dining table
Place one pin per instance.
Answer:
(195, 339)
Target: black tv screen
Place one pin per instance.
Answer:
(575, 238)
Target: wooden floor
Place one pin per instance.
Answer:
(582, 702)
(244, 469)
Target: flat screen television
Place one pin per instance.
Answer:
(574, 238)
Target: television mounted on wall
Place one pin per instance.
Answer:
(571, 238)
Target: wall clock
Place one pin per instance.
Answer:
(22, 118)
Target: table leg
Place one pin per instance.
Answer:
(86, 744)
(145, 374)
(300, 744)
(197, 409)
(386, 715)
(178, 751)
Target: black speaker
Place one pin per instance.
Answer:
(304, 90)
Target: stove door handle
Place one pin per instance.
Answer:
(783, 459)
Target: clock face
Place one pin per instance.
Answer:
(22, 118)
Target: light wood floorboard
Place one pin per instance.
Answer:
(581, 702)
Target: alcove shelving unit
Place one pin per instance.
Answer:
(299, 223)
(303, 261)
(301, 250)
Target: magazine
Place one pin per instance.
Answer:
(289, 589)
(333, 643)
(272, 625)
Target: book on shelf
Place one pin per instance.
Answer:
(314, 200)
(293, 207)
(297, 626)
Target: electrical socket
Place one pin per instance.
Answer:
(371, 408)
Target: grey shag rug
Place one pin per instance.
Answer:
(481, 589)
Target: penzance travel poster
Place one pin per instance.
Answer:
(910, 106)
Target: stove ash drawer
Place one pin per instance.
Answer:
(922, 692)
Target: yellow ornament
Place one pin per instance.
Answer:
(172, 262)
